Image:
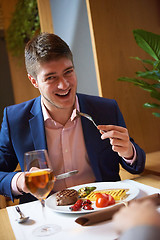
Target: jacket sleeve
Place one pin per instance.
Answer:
(8, 160)
(138, 166)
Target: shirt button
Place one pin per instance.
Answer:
(66, 150)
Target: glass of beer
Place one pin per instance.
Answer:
(39, 179)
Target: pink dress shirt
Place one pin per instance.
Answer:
(67, 150)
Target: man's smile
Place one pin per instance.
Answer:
(63, 94)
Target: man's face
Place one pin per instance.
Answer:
(57, 83)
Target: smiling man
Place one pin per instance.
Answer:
(45, 123)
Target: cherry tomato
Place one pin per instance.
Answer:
(102, 201)
(74, 208)
(79, 203)
(111, 200)
(87, 207)
(98, 195)
(87, 202)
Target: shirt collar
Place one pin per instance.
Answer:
(47, 117)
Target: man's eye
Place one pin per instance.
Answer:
(50, 78)
(68, 72)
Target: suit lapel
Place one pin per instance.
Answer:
(37, 126)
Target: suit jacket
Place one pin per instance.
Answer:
(23, 130)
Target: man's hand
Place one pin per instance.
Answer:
(21, 185)
(119, 139)
(136, 214)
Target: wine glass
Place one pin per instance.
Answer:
(39, 179)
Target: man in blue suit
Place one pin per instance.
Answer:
(48, 122)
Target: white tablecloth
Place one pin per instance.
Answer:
(65, 223)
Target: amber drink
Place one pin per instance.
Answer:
(40, 182)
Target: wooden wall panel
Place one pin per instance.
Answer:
(45, 15)
(113, 22)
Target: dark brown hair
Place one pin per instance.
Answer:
(44, 48)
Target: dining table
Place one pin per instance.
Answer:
(65, 225)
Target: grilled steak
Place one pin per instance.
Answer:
(66, 197)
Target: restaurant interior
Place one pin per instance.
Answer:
(100, 33)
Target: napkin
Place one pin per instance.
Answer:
(106, 214)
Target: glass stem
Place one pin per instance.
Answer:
(43, 202)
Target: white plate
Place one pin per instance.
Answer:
(131, 194)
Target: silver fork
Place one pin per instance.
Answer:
(86, 116)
